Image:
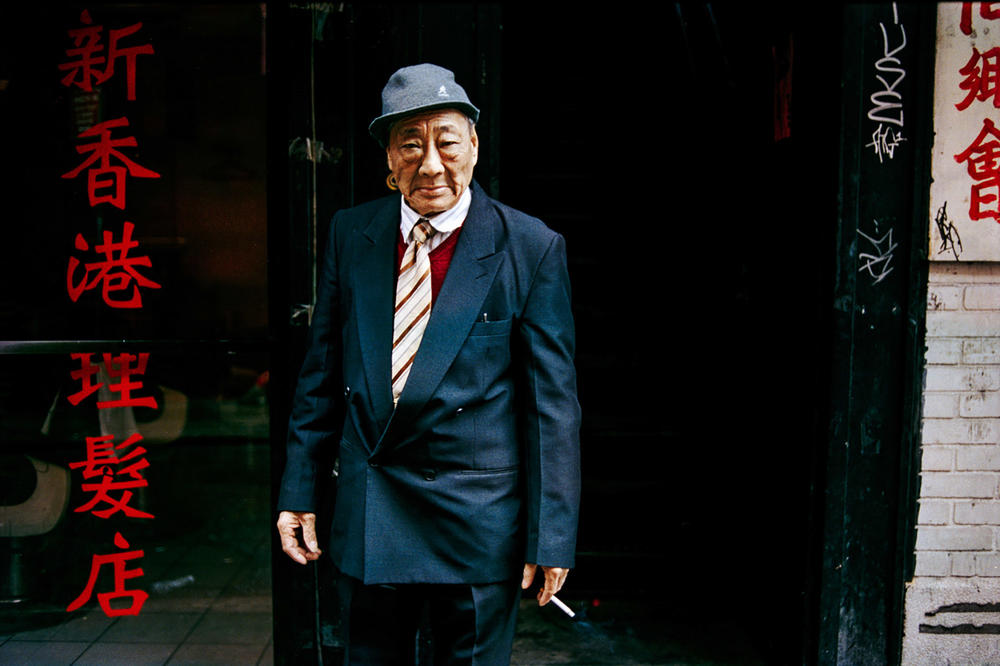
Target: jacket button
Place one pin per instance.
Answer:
(372, 464)
(347, 391)
(429, 475)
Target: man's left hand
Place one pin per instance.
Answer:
(554, 579)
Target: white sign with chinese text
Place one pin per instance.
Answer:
(965, 165)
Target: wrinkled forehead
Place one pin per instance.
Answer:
(433, 122)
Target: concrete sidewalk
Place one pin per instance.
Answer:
(626, 633)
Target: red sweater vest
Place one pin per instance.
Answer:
(440, 260)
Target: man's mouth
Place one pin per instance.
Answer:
(433, 189)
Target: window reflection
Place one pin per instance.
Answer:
(168, 154)
(139, 468)
(205, 550)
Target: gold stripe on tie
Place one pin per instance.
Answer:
(413, 304)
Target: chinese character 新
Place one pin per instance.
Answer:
(983, 164)
(106, 182)
(84, 67)
(116, 367)
(115, 273)
(103, 460)
(117, 561)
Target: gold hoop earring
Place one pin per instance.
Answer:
(390, 182)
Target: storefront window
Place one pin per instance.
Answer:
(135, 205)
(134, 454)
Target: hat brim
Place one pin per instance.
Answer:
(379, 128)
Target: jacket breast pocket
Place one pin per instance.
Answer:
(483, 358)
(486, 328)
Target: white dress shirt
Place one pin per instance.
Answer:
(444, 223)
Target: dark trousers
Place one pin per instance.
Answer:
(470, 625)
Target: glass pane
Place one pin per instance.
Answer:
(175, 498)
(134, 482)
(134, 177)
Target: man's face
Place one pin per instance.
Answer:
(432, 156)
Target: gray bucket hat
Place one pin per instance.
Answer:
(419, 88)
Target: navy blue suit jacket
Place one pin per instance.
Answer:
(476, 471)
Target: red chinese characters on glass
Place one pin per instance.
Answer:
(115, 367)
(116, 272)
(118, 470)
(111, 471)
(982, 159)
(106, 181)
(89, 66)
(136, 598)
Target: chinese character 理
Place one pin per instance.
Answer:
(115, 367)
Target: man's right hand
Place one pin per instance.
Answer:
(288, 522)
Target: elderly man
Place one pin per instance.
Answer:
(440, 373)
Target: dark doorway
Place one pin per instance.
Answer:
(688, 153)
(699, 221)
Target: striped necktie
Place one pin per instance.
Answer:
(413, 304)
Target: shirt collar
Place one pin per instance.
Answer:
(443, 223)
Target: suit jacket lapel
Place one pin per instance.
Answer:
(373, 281)
(469, 277)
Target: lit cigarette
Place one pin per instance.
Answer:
(563, 607)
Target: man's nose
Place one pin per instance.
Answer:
(431, 165)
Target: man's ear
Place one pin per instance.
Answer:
(474, 139)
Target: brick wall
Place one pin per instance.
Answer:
(958, 530)
(951, 603)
